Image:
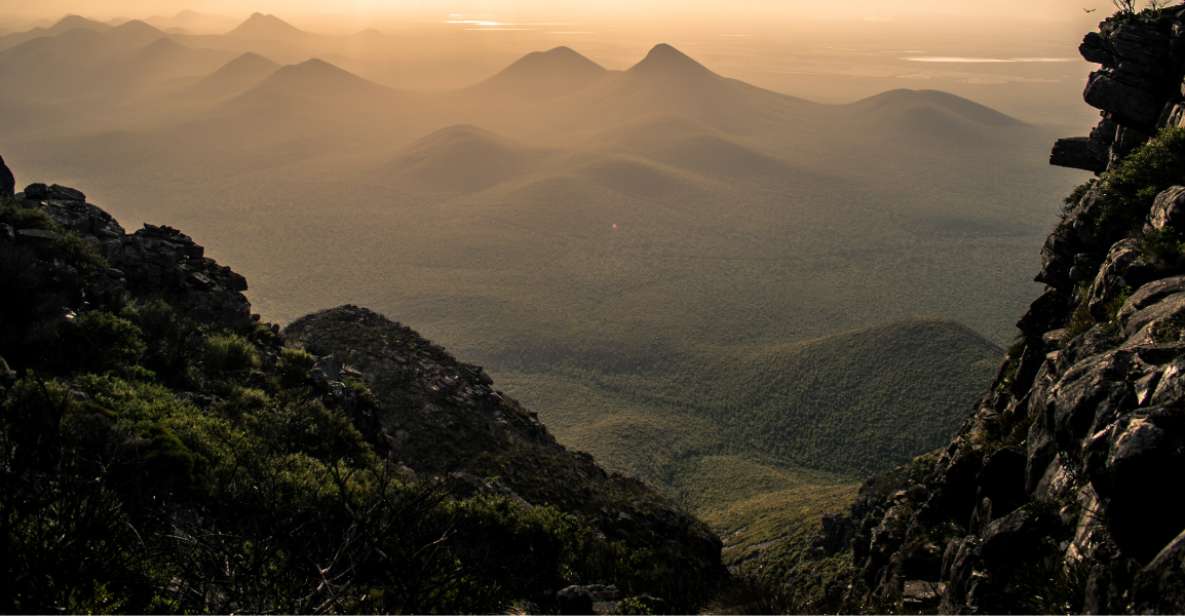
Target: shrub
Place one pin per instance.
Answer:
(1076, 195)
(1164, 246)
(230, 353)
(21, 217)
(173, 338)
(307, 426)
(99, 341)
(295, 365)
(1132, 186)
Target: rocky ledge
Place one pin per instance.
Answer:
(1137, 87)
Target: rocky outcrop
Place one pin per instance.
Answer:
(153, 261)
(1058, 493)
(1136, 87)
(7, 182)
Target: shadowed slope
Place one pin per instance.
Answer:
(459, 159)
(235, 77)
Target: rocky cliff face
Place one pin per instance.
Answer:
(1061, 491)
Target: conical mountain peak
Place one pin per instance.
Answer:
(72, 22)
(559, 59)
(665, 60)
(267, 26)
(545, 74)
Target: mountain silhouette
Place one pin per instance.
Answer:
(72, 22)
(545, 74)
(901, 101)
(460, 158)
(235, 77)
(260, 26)
(666, 62)
(668, 83)
(137, 30)
(315, 78)
(90, 63)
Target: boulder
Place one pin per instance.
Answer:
(1168, 211)
(1150, 294)
(1044, 314)
(1097, 50)
(1002, 481)
(1129, 464)
(1124, 269)
(37, 235)
(85, 219)
(41, 192)
(1078, 153)
(7, 182)
(1131, 105)
(1160, 586)
(1140, 49)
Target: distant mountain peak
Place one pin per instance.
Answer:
(250, 58)
(264, 25)
(72, 21)
(236, 76)
(903, 98)
(317, 65)
(139, 27)
(553, 72)
(664, 59)
(316, 77)
(554, 60)
(162, 45)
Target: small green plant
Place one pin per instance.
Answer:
(295, 365)
(1169, 330)
(1131, 187)
(100, 341)
(230, 353)
(1164, 246)
(1077, 194)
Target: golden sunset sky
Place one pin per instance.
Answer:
(1017, 55)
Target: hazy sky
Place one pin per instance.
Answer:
(1017, 55)
(1056, 10)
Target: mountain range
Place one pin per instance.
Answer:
(735, 274)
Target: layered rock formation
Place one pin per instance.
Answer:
(1136, 88)
(1060, 492)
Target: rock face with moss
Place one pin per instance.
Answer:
(162, 450)
(1061, 492)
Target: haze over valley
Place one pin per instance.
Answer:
(699, 280)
